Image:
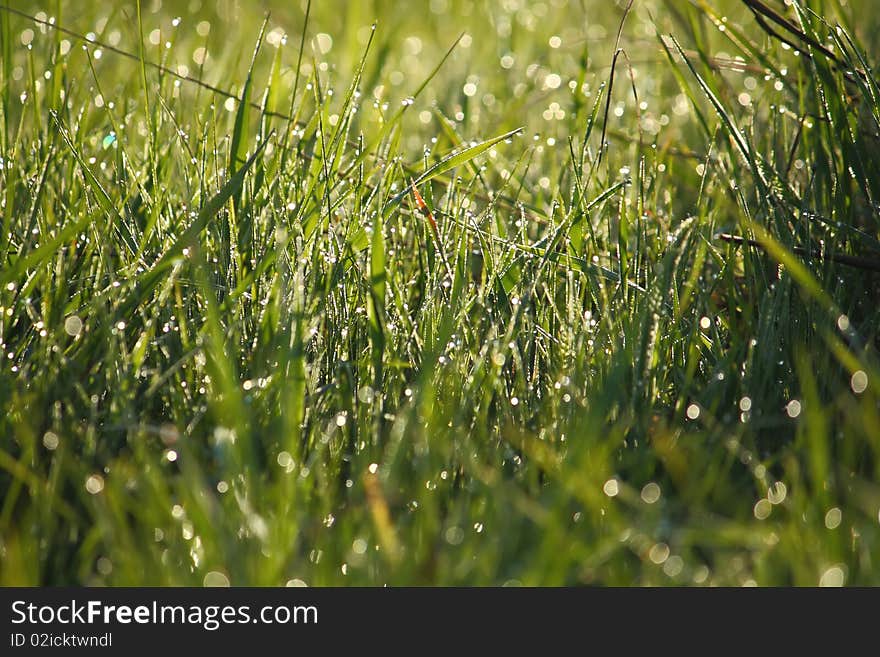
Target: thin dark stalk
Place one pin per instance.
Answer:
(858, 262)
(763, 14)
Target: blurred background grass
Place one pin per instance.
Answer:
(271, 418)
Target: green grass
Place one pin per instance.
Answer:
(231, 342)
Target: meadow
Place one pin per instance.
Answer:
(453, 292)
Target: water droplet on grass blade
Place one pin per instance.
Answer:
(833, 518)
(215, 579)
(651, 493)
(833, 577)
(95, 484)
(611, 488)
(777, 493)
(859, 382)
(73, 326)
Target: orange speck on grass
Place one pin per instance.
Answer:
(423, 207)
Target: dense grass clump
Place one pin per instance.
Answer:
(509, 292)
